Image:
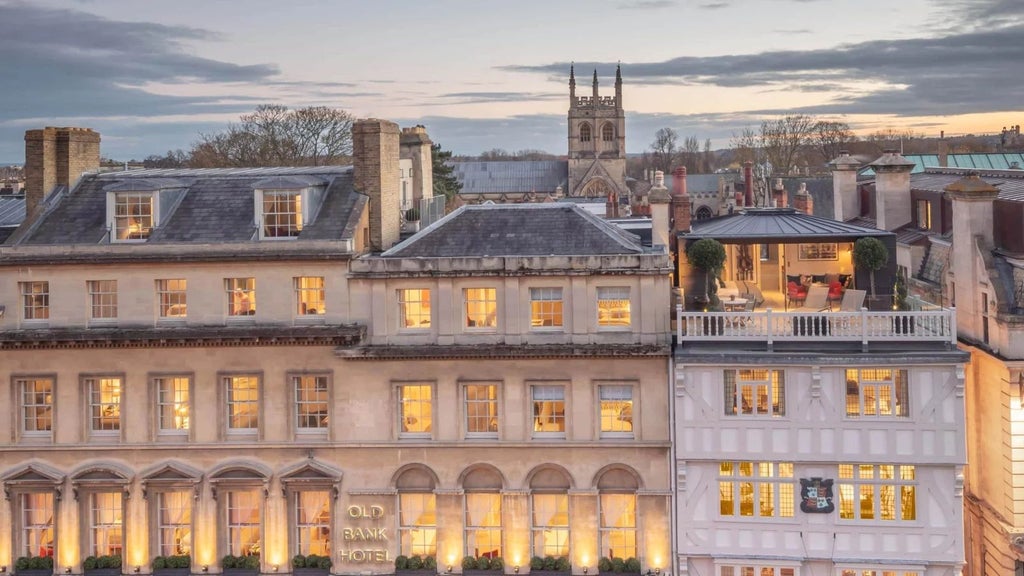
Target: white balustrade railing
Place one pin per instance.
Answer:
(863, 326)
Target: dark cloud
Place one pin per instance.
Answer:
(972, 71)
(647, 5)
(491, 97)
(713, 5)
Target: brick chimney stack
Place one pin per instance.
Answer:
(779, 194)
(375, 146)
(57, 157)
(748, 184)
(892, 190)
(681, 209)
(803, 201)
(846, 198)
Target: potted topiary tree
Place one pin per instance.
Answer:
(871, 255)
(107, 565)
(311, 565)
(708, 256)
(611, 566)
(240, 565)
(482, 566)
(177, 565)
(412, 219)
(34, 566)
(416, 565)
(550, 565)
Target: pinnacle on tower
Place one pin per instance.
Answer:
(595, 77)
(572, 82)
(618, 73)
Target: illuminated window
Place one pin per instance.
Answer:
(242, 512)
(309, 296)
(311, 403)
(417, 513)
(757, 570)
(312, 522)
(243, 402)
(241, 293)
(924, 214)
(546, 307)
(173, 408)
(174, 523)
(483, 525)
(618, 525)
(104, 404)
(36, 526)
(761, 489)
(755, 393)
(415, 409)
(103, 299)
(414, 308)
(481, 307)
(481, 410)
(282, 213)
(607, 132)
(133, 216)
(106, 517)
(877, 492)
(171, 298)
(878, 572)
(616, 410)
(550, 519)
(613, 306)
(548, 410)
(36, 406)
(585, 133)
(877, 392)
(35, 300)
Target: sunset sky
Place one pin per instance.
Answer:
(150, 75)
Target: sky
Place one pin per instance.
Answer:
(479, 74)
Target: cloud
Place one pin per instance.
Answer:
(491, 97)
(950, 74)
(647, 5)
(713, 5)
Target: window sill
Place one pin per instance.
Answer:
(102, 322)
(617, 436)
(241, 319)
(481, 436)
(548, 436)
(310, 319)
(626, 328)
(414, 436)
(36, 438)
(35, 324)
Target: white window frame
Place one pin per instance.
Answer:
(227, 383)
(776, 478)
(747, 395)
(605, 529)
(171, 299)
(878, 570)
(478, 297)
(28, 401)
(476, 409)
(548, 392)
(94, 526)
(537, 531)
(180, 405)
(405, 406)
(132, 199)
(616, 392)
(163, 525)
(547, 306)
(300, 399)
(230, 495)
(302, 215)
(102, 301)
(415, 538)
(755, 568)
(874, 390)
(98, 409)
(852, 487)
(300, 528)
(306, 292)
(408, 321)
(609, 300)
(240, 289)
(30, 536)
(474, 529)
(35, 302)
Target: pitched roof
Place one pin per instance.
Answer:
(987, 161)
(485, 177)
(12, 210)
(1009, 182)
(518, 230)
(213, 205)
(777, 224)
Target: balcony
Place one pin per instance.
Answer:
(863, 326)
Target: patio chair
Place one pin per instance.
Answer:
(753, 293)
(835, 292)
(795, 293)
(816, 300)
(853, 300)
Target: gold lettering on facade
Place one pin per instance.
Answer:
(358, 534)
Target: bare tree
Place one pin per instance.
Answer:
(273, 135)
(784, 139)
(664, 150)
(709, 156)
(690, 155)
(898, 139)
(745, 146)
(830, 137)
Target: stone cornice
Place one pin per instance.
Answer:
(182, 337)
(501, 351)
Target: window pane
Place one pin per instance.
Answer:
(174, 523)
(243, 522)
(481, 408)
(416, 408)
(418, 523)
(241, 294)
(104, 404)
(483, 525)
(313, 522)
(133, 216)
(171, 298)
(414, 308)
(243, 402)
(103, 298)
(105, 524)
(37, 524)
(36, 405)
(613, 306)
(309, 296)
(481, 307)
(282, 213)
(173, 403)
(546, 307)
(548, 409)
(618, 525)
(617, 409)
(35, 299)
(311, 402)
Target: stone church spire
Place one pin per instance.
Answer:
(572, 83)
(618, 85)
(595, 86)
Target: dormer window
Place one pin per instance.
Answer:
(282, 213)
(133, 216)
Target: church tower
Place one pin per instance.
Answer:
(597, 141)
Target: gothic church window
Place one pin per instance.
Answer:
(607, 132)
(585, 135)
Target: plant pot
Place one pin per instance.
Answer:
(417, 572)
(103, 572)
(307, 571)
(241, 572)
(550, 573)
(34, 572)
(478, 572)
(701, 303)
(172, 571)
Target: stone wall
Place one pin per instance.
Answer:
(375, 146)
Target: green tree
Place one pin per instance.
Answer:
(708, 256)
(445, 182)
(870, 253)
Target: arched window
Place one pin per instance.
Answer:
(417, 511)
(617, 487)
(703, 213)
(482, 486)
(549, 512)
(585, 135)
(607, 132)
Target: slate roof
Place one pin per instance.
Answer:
(216, 207)
(12, 211)
(697, 183)
(776, 224)
(518, 230)
(1009, 182)
(989, 161)
(485, 177)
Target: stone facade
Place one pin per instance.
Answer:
(597, 141)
